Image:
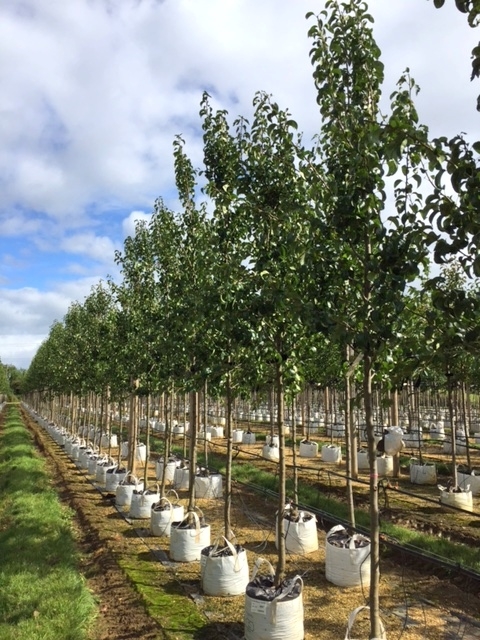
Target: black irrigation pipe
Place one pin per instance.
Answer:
(396, 546)
(326, 519)
(345, 477)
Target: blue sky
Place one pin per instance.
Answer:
(93, 93)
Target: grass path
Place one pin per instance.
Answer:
(42, 593)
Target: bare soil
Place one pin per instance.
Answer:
(144, 596)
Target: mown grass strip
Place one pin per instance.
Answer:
(165, 599)
(42, 594)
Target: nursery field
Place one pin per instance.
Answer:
(143, 595)
(413, 506)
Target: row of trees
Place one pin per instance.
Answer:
(5, 387)
(290, 264)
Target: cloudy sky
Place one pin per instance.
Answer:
(94, 91)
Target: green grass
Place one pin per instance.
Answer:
(42, 594)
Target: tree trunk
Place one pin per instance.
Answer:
(147, 423)
(348, 442)
(193, 415)
(294, 453)
(228, 471)
(280, 569)
(133, 429)
(394, 422)
(375, 629)
(453, 426)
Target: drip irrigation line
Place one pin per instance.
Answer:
(342, 476)
(327, 519)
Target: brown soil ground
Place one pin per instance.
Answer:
(115, 550)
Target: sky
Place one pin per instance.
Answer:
(95, 91)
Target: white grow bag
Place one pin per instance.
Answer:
(471, 480)
(301, 536)
(141, 452)
(393, 440)
(273, 614)
(84, 457)
(248, 438)
(447, 446)
(237, 436)
(385, 465)
(331, 453)
(413, 439)
(347, 558)
(124, 491)
(459, 499)
(161, 427)
(169, 471)
(109, 440)
(209, 486)
(422, 473)
(178, 430)
(92, 463)
(103, 465)
(113, 478)
(224, 569)
(142, 502)
(69, 440)
(124, 450)
(437, 432)
(271, 452)
(336, 430)
(351, 620)
(77, 447)
(217, 432)
(362, 460)
(308, 449)
(186, 543)
(162, 515)
(181, 478)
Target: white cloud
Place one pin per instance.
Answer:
(19, 224)
(94, 92)
(128, 224)
(27, 314)
(19, 350)
(99, 248)
(93, 98)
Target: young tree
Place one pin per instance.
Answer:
(471, 8)
(358, 147)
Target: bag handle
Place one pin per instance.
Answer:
(196, 533)
(351, 619)
(283, 594)
(162, 502)
(174, 492)
(129, 475)
(215, 550)
(258, 564)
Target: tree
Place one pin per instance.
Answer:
(223, 174)
(471, 8)
(279, 213)
(358, 147)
